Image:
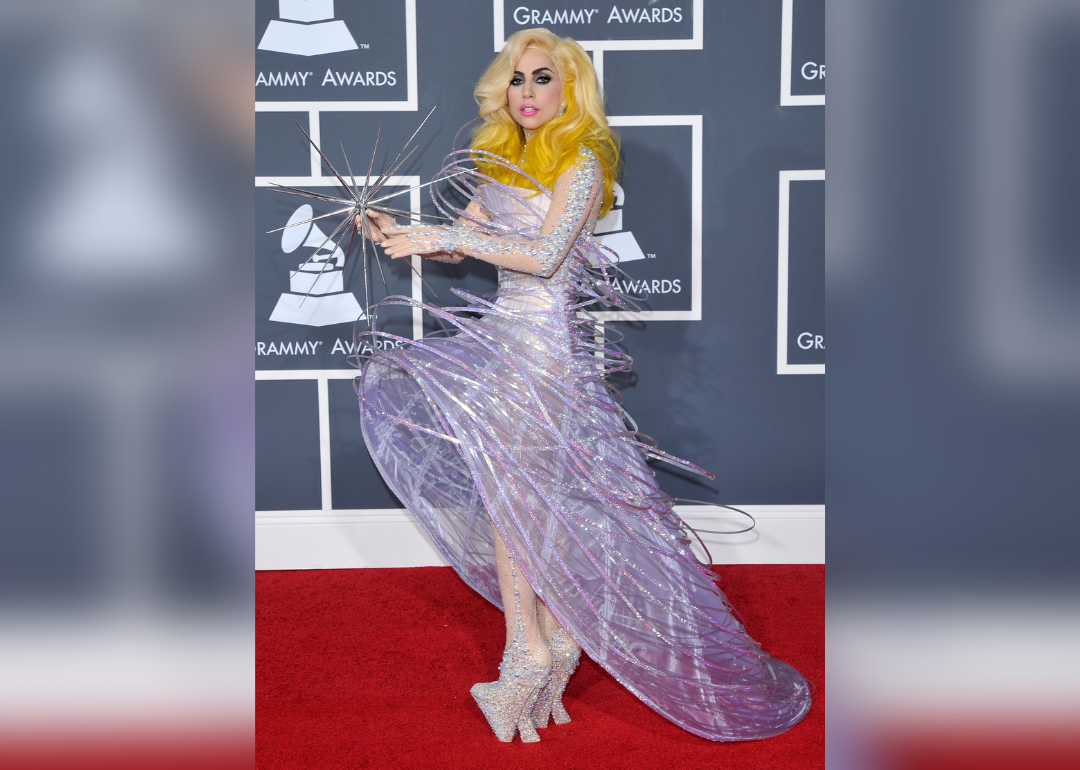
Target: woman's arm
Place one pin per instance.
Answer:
(379, 223)
(574, 199)
(475, 210)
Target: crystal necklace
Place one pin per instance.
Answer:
(525, 147)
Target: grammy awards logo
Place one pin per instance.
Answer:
(612, 235)
(307, 28)
(317, 295)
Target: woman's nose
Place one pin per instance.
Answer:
(527, 90)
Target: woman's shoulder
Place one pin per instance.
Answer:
(587, 160)
(586, 154)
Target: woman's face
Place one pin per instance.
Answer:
(535, 91)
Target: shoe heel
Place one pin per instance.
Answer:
(507, 704)
(509, 714)
(558, 713)
(488, 702)
(565, 657)
(525, 727)
(542, 710)
(527, 730)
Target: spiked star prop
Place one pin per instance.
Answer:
(359, 202)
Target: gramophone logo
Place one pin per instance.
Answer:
(307, 28)
(611, 233)
(317, 295)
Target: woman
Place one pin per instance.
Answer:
(506, 444)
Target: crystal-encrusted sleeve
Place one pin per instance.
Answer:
(576, 193)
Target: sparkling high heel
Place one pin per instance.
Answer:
(565, 654)
(508, 703)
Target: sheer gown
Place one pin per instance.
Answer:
(510, 421)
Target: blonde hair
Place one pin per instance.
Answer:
(554, 147)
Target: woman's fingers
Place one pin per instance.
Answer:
(379, 225)
(395, 230)
(376, 227)
(383, 220)
(404, 248)
(398, 246)
(404, 241)
(369, 228)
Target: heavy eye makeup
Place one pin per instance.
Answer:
(541, 79)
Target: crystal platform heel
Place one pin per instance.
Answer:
(565, 654)
(508, 703)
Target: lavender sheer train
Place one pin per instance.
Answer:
(509, 419)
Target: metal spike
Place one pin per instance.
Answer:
(309, 194)
(361, 200)
(421, 278)
(321, 246)
(385, 177)
(374, 149)
(404, 213)
(418, 187)
(308, 221)
(323, 268)
(367, 283)
(352, 176)
(365, 235)
(326, 160)
(363, 246)
(346, 272)
(409, 141)
(378, 261)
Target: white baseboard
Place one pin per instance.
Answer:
(785, 534)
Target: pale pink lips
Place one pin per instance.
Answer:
(528, 109)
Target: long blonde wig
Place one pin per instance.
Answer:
(554, 147)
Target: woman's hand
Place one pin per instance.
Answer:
(378, 224)
(406, 241)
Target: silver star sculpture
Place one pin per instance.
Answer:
(359, 202)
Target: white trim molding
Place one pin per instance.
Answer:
(315, 180)
(786, 98)
(674, 44)
(784, 208)
(597, 47)
(411, 85)
(694, 313)
(288, 540)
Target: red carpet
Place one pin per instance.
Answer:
(371, 668)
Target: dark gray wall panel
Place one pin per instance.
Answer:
(287, 446)
(356, 481)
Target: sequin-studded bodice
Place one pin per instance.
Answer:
(523, 292)
(528, 215)
(535, 238)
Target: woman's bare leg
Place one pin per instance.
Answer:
(548, 624)
(565, 654)
(518, 596)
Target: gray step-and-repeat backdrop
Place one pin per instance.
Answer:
(719, 221)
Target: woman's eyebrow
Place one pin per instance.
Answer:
(536, 71)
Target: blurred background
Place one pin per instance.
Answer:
(953, 282)
(126, 416)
